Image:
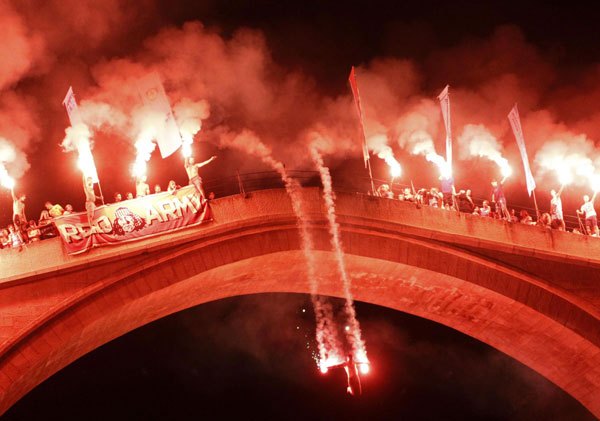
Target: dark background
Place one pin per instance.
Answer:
(250, 357)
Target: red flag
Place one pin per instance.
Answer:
(352, 79)
(444, 98)
(515, 123)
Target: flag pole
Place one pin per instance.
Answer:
(371, 177)
(101, 195)
(537, 210)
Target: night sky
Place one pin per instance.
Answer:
(279, 69)
(250, 357)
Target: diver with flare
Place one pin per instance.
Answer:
(353, 369)
(192, 171)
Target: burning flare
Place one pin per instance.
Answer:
(379, 145)
(79, 138)
(567, 160)
(5, 179)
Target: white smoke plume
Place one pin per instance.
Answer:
(414, 135)
(189, 115)
(379, 145)
(477, 140)
(572, 161)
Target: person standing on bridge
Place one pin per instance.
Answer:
(90, 198)
(587, 209)
(19, 218)
(141, 187)
(192, 171)
(448, 190)
(499, 199)
(556, 211)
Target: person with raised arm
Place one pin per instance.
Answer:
(192, 171)
(587, 209)
(141, 187)
(90, 198)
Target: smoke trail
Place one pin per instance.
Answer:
(353, 332)
(476, 140)
(326, 333)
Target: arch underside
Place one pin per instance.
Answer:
(496, 305)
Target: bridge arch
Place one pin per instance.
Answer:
(472, 275)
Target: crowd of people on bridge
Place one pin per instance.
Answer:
(22, 231)
(448, 198)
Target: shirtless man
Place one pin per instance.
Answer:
(141, 187)
(192, 172)
(90, 198)
(18, 209)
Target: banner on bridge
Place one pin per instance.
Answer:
(132, 220)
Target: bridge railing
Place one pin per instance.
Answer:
(249, 182)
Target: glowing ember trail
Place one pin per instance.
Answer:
(478, 141)
(328, 343)
(352, 330)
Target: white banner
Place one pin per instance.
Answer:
(72, 109)
(81, 131)
(444, 98)
(154, 97)
(515, 123)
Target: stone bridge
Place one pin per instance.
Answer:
(532, 293)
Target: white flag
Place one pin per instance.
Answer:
(81, 135)
(154, 97)
(444, 98)
(515, 123)
(72, 109)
